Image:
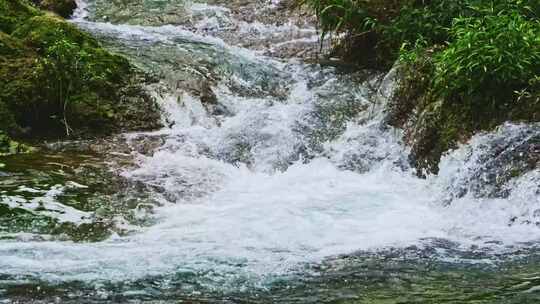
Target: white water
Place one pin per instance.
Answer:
(243, 203)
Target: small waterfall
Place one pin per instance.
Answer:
(269, 164)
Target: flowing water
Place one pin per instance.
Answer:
(276, 180)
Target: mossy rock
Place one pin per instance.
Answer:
(22, 98)
(102, 101)
(14, 13)
(43, 31)
(438, 128)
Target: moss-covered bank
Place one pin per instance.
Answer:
(58, 81)
(435, 124)
(465, 65)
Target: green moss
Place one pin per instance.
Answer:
(42, 57)
(8, 146)
(105, 71)
(7, 119)
(438, 128)
(43, 31)
(14, 13)
(19, 84)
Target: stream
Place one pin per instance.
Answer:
(274, 180)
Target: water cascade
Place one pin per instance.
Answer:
(274, 179)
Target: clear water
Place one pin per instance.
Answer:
(288, 187)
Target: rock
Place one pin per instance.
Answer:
(206, 94)
(106, 96)
(64, 8)
(488, 165)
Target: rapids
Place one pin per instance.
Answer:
(275, 180)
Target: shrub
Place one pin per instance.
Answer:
(361, 21)
(384, 26)
(489, 56)
(429, 23)
(353, 15)
(466, 65)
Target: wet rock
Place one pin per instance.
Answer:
(282, 30)
(206, 94)
(147, 144)
(120, 148)
(201, 88)
(494, 161)
(140, 12)
(64, 8)
(136, 109)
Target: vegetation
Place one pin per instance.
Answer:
(13, 13)
(466, 65)
(56, 80)
(8, 146)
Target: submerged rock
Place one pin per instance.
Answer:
(69, 195)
